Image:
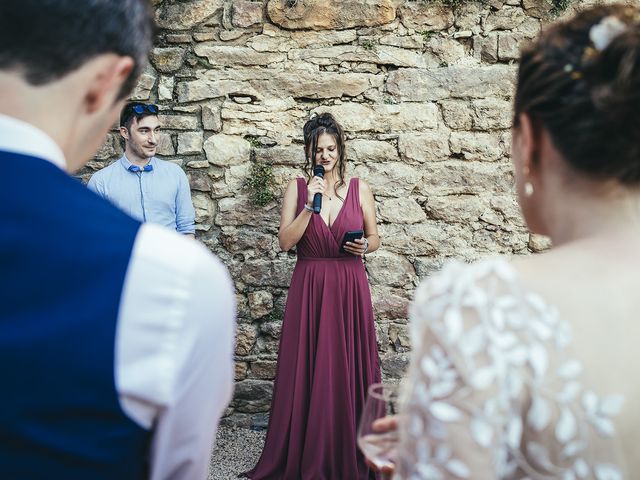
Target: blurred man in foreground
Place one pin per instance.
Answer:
(115, 336)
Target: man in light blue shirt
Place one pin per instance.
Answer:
(145, 187)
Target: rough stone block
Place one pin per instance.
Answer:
(261, 273)
(242, 239)
(394, 365)
(323, 15)
(389, 303)
(110, 148)
(386, 268)
(230, 35)
(470, 15)
(165, 144)
(178, 122)
(410, 42)
(427, 266)
(167, 60)
(246, 336)
(485, 49)
(246, 14)
(165, 88)
(186, 14)
(424, 147)
(203, 206)
(224, 55)
(389, 179)
(323, 39)
(252, 396)
(381, 54)
(263, 83)
(463, 177)
(539, 243)
(145, 84)
(239, 210)
(457, 114)
(423, 16)
(462, 209)
(211, 119)
(401, 210)
(263, 370)
(509, 46)
(539, 8)
(357, 117)
(226, 150)
(417, 85)
(485, 147)
(190, 143)
(506, 18)
(360, 150)
(199, 180)
(280, 119)
(260, 303)
(281, 155)
(240, 371)
(399, 338)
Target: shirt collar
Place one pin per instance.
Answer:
(17, 136)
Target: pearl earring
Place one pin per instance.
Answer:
(528, 189)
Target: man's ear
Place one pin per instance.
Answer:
(124, 132)
(528, 143)
(105, 83)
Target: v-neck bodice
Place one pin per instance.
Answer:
(323, 241)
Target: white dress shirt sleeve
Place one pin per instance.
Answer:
(174, 349)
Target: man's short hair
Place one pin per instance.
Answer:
(138, 111)
(45, 40)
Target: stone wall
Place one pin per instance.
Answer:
(424, 93)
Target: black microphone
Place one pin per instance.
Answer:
(318, 171)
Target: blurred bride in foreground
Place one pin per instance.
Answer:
(526, 368)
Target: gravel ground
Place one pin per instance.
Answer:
(237, 450)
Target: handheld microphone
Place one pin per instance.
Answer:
(318, 171)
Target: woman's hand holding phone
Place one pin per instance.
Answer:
(354, 242)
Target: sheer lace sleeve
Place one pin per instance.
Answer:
(491, 393)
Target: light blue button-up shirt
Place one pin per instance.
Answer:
(161, 195)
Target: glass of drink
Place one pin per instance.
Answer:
(379, 447)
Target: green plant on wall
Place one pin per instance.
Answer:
(368, 45)
(260, 184)
(560, 6)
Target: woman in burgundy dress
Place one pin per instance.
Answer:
(328, 353)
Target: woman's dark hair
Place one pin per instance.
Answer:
(47, 39)
(587, 99)
(324, 123)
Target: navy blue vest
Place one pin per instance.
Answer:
(64, 253)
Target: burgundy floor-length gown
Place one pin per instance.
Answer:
(328, 357)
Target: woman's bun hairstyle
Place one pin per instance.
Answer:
(316, 126)
(580, 80)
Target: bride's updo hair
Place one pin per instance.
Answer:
(580, 80)
(316, 126)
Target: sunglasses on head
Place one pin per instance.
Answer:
(140, 108)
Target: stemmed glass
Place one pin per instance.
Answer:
(379, 447)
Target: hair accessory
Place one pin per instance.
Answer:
(602, 34)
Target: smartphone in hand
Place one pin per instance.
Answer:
(350, 237)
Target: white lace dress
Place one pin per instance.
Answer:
(492, 391)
